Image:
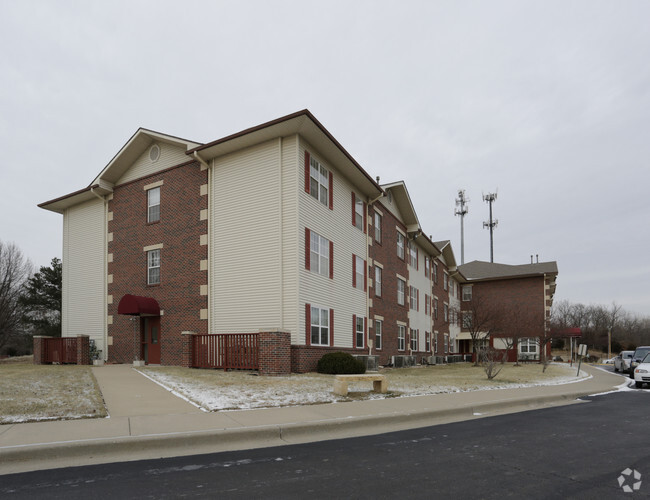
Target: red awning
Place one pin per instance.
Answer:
(138, 306)
(566, 332)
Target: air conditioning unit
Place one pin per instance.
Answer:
(430, 360)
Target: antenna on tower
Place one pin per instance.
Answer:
(461, 202)
(491, 198)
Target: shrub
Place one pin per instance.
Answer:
(340, 363)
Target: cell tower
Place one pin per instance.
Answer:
(461, 202)
(491, 198)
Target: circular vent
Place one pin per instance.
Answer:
(154, 152)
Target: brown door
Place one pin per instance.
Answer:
(151, 340)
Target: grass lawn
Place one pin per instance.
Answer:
(218, 390)
(31, 392)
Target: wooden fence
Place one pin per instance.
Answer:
(236, 351)
(60, 350)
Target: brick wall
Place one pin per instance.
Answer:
(386, 254)
(39, 349)
(305, 358)
(275, 353)
(179, 231)
(83, 350)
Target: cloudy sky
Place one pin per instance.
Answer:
(545, 102)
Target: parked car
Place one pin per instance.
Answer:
(622, 361)
(642, 372)
(637, 357)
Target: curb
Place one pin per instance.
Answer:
(104, 450)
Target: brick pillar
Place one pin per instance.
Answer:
(83, 350)
(186, 347)
(275, 352)
(39, 349)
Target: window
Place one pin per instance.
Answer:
(435, 272)
(467, 320)
(427, 341)
(528, 346)
(359, 331)
(401, 337)
(427, 267)
(400, 245)
(318, 181)
(377, 227)
(445, 281)
(320, 327)
(378, 272)
(401, 290)
(153, 267)
(452, 290)
(467, 293)
(358, 273)
(446, 311)
(358, 212)
(413, 255)
(446, 343)
(319, 254)
(379, 326)
(413, 298)
(435, 342)
(435, 308)
(153, 204)
(427, 304)
(414, 340)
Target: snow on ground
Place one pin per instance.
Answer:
(216, 390)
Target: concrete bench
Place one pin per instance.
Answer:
(379, 383)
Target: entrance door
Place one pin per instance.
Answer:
(151, 340)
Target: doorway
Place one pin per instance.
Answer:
(150, 340)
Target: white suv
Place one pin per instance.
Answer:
(642, 372)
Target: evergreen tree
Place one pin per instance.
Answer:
(42, 300)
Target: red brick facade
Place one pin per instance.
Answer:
(179, 231)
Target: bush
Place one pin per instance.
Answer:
(340, 363)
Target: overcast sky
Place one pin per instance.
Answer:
(546, 102)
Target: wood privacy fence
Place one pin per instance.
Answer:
(62, 350)
(235, 351)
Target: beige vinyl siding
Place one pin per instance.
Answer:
(246, 237)
(418, 319)
(290, 235)
(84, 270)
(335, 225)
(170, 156)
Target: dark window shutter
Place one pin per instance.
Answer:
(354, 330)
(365, 276)
(417, 259)
(331, 190)
(354, 213)
(331, 327)
(365, 219)
(308, 324)
(307, 179)
(417, 300)
(331, 260)
(307, 249)
(354, 271)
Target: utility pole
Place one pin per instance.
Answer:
(491, 198)
(461, 202)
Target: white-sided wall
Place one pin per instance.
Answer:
(170, 156)
(84, 272)
(417, 318)
(336, 226)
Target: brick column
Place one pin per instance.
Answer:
(275, 352)
(39, 349)
(83, 350)
(186, 348)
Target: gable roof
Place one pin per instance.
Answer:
(447, 252)
(404, 205)
(479, 270)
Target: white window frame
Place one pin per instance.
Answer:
(528, 346)
(319, 254)
(468, 320)
(413, 298)
(401, 337)
(401, 240)
(318, 181)
(153, 206)
(435, 308)
(467, 293)
(435, 342)
(446, 311)
(427, 341)
(377, 224)
(153, 267)
(322, 327)
(435, 273)
(414, 339)
(360, 270)
(358, 212)
(401, 291)
(379, 327)
(427, 268)
(359, 332)
(445, 281)
(413, 256)
(446, 340)
(378, 280)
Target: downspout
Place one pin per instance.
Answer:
(208, 167)
(104, 275)
(281, 234)
(368, 240)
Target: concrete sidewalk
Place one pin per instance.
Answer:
(140, 428)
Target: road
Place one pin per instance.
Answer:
(575, 451)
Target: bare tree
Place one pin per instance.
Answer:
(492, 361)
(480, 318)
(15, 270)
